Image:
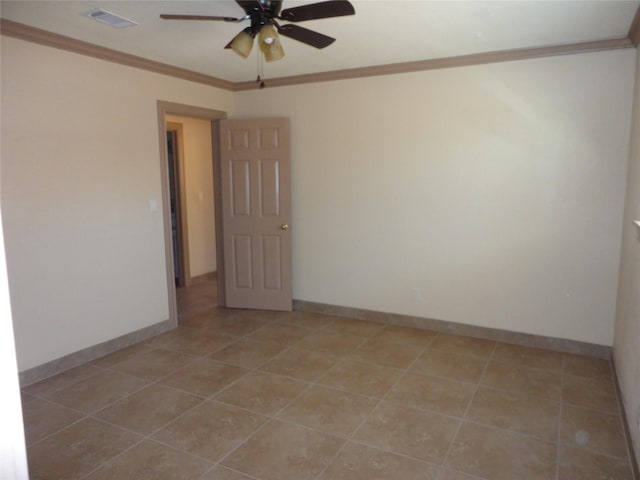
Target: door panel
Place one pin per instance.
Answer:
(254, 182)
(240, 187)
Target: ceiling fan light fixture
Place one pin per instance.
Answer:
(270, 45)
(243, 42)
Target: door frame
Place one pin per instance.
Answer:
(182, 234)
(170, 108)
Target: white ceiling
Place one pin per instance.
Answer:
(382, 31)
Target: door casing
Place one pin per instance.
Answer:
(165, 108)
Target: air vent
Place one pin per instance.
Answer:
(109, 18)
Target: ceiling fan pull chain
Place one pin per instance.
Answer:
(259, 80)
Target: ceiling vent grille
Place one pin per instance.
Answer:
(109, 18)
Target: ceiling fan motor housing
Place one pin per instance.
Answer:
(264, 15)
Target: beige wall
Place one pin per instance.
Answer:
(198, 167)
(13, 452)
(626, 347)
(495, 190)
(80, 178)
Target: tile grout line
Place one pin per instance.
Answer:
(626, 428)
(366, 418)
(462, 419)
(309, 385)
(149, 436)
(273, 416)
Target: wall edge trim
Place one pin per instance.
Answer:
(497, 56)
(59, 365)
(50, 39)
(635, 471)
(443, 326)
(634, 30)
(61, 42)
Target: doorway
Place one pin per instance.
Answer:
(179, 227)
(187, 203)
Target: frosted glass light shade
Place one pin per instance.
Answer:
(242, 43)
(270, 44)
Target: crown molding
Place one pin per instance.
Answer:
(44, 37)
(439, 63)
(50, 39)
(634, 30)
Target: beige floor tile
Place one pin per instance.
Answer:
(501, 455)
(149, 460)
(464, 345)
(122, 355)
(234, 325)
(195, 321)
(262, 392)
(528, 357)
(155, 364)
(411, 336)
(224, 473)
(286, 334)
(360, 377)
(62, 380)
(587, 366)
(264, 316)
(248, 353)
(387, 353)
(440, 363)
(523, 379)
(206, 318)
(519, 412)
(307, 319)
(301, 364)
(433, 393)
(359, 462)
(596, 393)
(351, 326)
(327, 341)
(42, 418)
(510, 430)
(448, 474)
(98, 391)
(597, 431)
(204, 377)
(282, 451)
(211, 430)
(191, 341)
(578, 464)
(334, 411)
(422, 435)
(149, 409)
(77, 450)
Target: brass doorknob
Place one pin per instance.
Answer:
(284, 226)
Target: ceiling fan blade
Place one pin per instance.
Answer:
(250, 5)
(313, 11)
(199, 17)
(305, 35)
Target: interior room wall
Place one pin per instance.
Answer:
(13, 451)
(81, 196)
(626, 347)
(198, 166)
(488, 195)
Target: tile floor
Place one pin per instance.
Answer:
(241, 395)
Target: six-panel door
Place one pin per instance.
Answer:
(256, 213)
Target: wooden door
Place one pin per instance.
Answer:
(256, 213)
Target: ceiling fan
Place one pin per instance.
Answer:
(264, 16)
